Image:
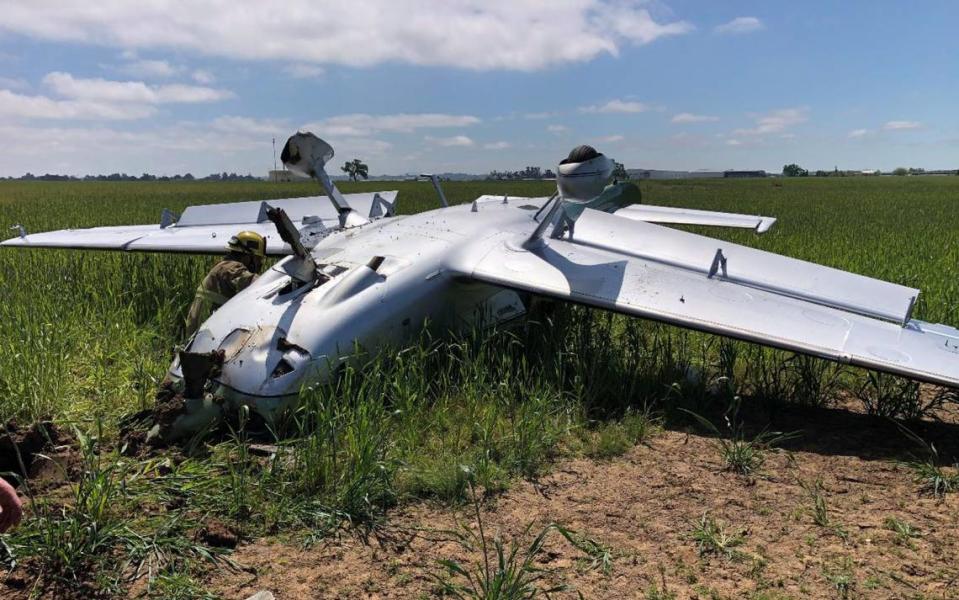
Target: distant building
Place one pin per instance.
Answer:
(284, 176)
(743, 174)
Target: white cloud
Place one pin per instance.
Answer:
(104, 90)
(691, 118)
(304, 71)
(856, 133)
(360, 147)
(776, 121)
(42, 107)
(196, 147)
(271, 127)
(733, 142)
(900, 125)
(540, 115)
(360, 124)
(616, 106)
(13, 83)
(634, 23)
(469, 34)
(496, 145)
(557, 128)
(456, 140)
(149, 69)
(609, 139)
(203, 76)
(740, 25)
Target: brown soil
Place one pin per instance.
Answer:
(169, 405)
(217, 535)
(644, 504)
(43, 450)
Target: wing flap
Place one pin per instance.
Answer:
(688, 216)
(746, 266)
(662, 292)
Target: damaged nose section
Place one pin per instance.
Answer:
(197, 368)
(256, 368)
(196, 409)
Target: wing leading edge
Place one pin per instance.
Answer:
(647, 286)
(205, 229)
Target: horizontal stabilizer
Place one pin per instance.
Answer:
(687, 216)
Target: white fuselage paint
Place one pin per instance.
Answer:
(316, 328)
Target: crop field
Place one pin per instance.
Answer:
(585, 453)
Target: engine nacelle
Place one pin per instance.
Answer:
(583, 174)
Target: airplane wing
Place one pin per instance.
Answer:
(709, 285)
(205, 229)
(688, 216)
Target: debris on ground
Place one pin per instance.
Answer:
(35, 451)
(170, 404)
(218, 535)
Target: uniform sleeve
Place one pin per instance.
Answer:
(241, 278)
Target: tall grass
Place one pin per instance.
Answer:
(84, 333)
(85, 336)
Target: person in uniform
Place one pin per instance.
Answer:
(234, 273)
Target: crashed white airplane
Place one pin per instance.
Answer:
(356, 273)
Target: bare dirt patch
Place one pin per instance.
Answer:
(218, 535)
(644, 506)
(42, 453)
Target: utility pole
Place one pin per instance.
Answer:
(274, 154)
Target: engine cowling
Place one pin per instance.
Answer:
(583, 174)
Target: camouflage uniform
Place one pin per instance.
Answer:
(226, 279)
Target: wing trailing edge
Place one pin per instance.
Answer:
(687, 216)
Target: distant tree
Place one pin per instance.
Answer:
(619, 171)
(900, 171)
(355, 169)
(531, 173)
(794, 170)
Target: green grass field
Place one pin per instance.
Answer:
(86, 336)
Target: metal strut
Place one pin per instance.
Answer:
(719, 262)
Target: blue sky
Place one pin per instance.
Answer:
(463, 85)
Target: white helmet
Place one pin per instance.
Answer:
(583, 174)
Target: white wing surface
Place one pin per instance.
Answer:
(688, 216)
(662, 274)
(205, 229)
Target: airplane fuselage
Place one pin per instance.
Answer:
(379, 284)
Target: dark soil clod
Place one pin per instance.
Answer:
(19, 446)
(218, 535)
